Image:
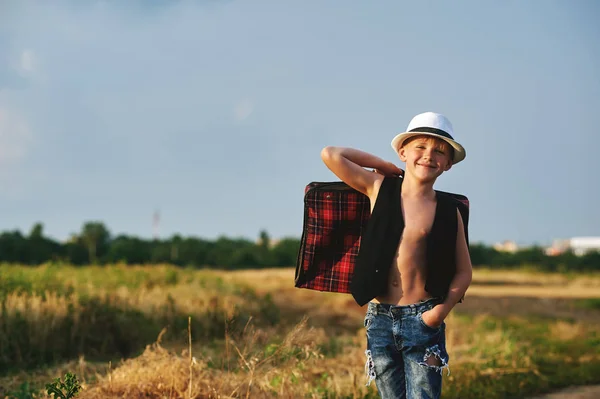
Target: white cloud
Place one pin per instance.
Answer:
(15, 137)
(27, 61)
(26, 64)
(243, 110)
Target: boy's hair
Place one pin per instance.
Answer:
(444, 143)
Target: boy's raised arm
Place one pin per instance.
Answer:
(349, 165)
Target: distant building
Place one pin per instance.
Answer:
(583, 245)
(506, 246)
(579, 246)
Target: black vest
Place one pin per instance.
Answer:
(380, 242)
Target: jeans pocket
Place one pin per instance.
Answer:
(427, 326)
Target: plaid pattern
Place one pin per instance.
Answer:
(335, 215)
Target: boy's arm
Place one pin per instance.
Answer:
(348, 164)
(460, 282)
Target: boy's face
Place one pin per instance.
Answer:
(426, 157)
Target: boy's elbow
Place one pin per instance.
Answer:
(328, 153)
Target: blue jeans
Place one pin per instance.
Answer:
(405, 356)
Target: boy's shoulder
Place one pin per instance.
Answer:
(460, 200)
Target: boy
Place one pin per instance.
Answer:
(414, 264)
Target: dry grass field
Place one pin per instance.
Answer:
(126, 332)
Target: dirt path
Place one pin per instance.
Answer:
(585, 392)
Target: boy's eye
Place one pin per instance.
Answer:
(440, 152)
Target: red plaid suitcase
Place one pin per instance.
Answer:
(335, 217)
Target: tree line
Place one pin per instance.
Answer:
(94, 244)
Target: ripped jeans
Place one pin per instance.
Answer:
(405, 356)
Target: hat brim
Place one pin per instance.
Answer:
(459, 151)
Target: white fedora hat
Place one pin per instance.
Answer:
(431, 124)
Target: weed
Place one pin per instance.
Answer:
(64, 390)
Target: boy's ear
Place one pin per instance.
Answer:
(448, 165)
(402, 153)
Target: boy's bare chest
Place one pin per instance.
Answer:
(418, 216)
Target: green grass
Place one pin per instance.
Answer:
(53, 314)
(525, 360)
(588, 303)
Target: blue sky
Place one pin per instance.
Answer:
(215, 112)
